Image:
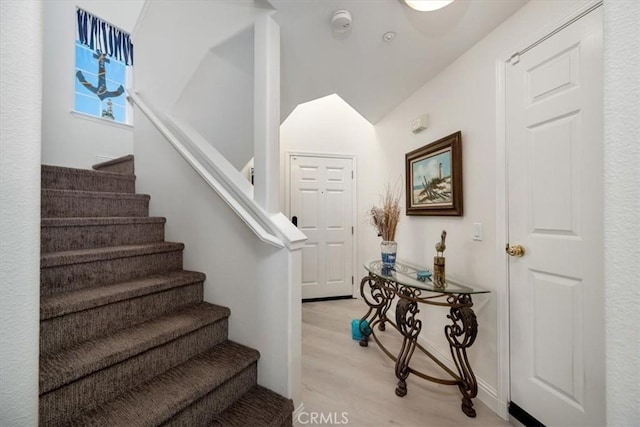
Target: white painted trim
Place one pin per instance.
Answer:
(95, 119)
(294, 350)
(355, 290)
(129, 106)
(503, 395)
(502, 263)
(287, 184)
(218, 173)
(486, 393)
(326, 155)
(266, 113)
(141, 16)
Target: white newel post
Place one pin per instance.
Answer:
(267, 181)
(267, 114)
(295, 327)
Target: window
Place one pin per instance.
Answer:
(103, 53)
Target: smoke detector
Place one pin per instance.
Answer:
(341, 21)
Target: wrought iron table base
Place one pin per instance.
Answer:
(460, 334)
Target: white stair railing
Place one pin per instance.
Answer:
(224, 179)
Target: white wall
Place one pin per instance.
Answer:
(258, 282)
(68, 139)
(20, 114)
(329, 125)
(622, 209)
(184, 31)
(462, 97)
(218, 99)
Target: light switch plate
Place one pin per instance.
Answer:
(477, 231)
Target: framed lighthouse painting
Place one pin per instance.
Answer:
(434, 178)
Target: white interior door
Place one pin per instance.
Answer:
(555, 190)
(321, 200)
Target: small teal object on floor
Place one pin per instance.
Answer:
(423, 275)
(355, 329)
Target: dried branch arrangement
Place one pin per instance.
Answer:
(385, 218)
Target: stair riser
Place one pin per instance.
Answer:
(56, 206)
(64, 331)
(203, 410)
(67, 238)
(88, 392)
(69, 179)
(65, 278)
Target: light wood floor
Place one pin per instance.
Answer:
(340, 376)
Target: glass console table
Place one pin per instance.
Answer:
(401, 283)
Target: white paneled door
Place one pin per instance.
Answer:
(322, 206)
(555, 191)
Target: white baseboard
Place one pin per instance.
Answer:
(486, 393)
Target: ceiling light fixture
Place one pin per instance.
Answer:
(427, 5)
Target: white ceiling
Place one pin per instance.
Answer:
(372, 75)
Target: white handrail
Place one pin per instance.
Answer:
(216, 171)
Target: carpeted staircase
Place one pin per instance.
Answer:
(125, 337)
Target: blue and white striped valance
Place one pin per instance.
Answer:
(102, 36)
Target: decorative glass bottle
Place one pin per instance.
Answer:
(389, 249)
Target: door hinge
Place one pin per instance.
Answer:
(351, 174)
(352, 230)
(352, 281)
(515, 58)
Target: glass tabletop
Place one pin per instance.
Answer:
(406, 274)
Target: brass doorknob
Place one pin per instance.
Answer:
(515, 250)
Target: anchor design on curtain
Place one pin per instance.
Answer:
(107, 41)
(101, 89)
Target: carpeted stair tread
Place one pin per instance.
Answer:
(59, 333)
(89, 392)
(54, 259)
(93, 194)
(92, 221)
(168, 393)
(121, 165)
(60, 368)
(73, 203)
(65, 234)
(64, 178)
(84, 299)
(88, 172)
(125, 339)
(259, 407)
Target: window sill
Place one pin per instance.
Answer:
(100, 120)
